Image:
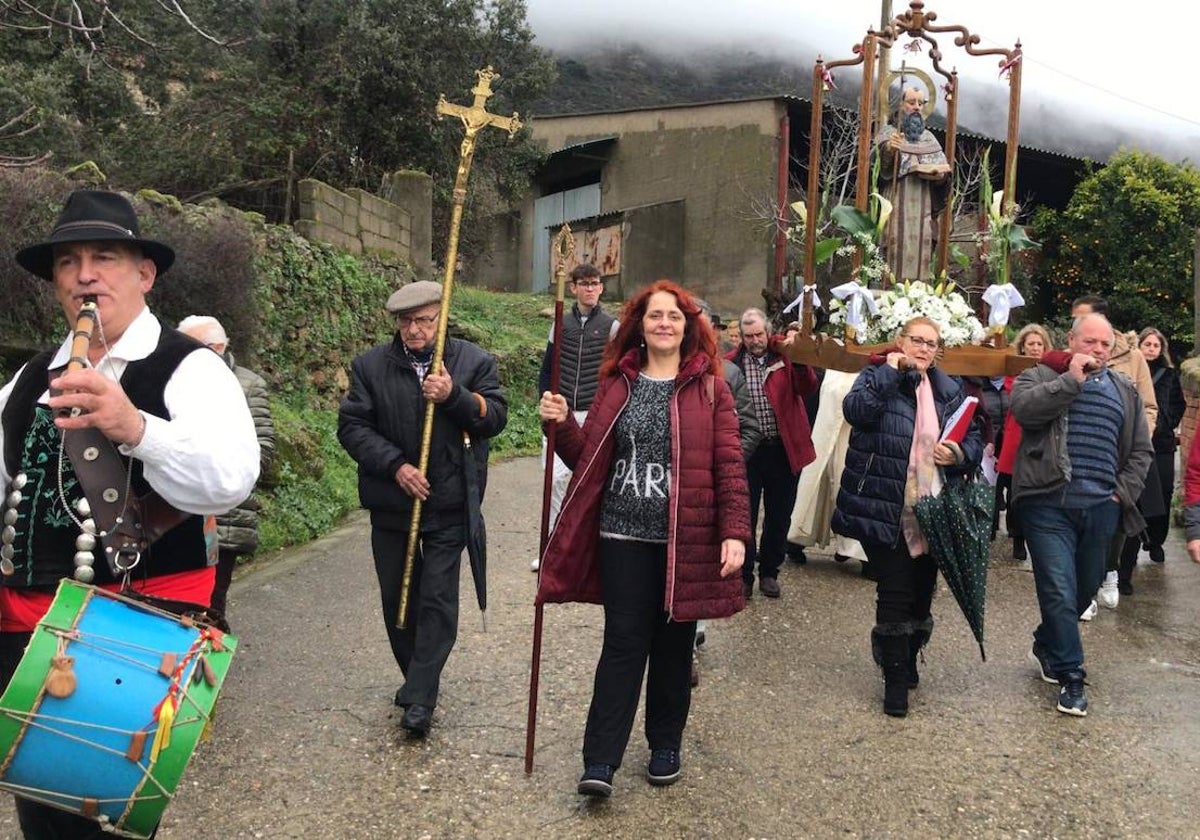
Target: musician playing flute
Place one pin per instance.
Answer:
(170, 409)
(380, 424)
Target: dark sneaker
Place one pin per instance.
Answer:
(596, 780)
(1035, 656)
(1157, 555)
(769, 587)
(1071, 699)
(1125, 587)
(663, 768)
(796, 554)
(748, 589)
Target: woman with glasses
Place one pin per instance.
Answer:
(897, 409)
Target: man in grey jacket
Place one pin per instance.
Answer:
(237, 529)
(1078, 474)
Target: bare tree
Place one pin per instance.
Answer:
(85, 19)
(20, 126)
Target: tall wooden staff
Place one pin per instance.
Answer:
(564, 247)
(474, 117)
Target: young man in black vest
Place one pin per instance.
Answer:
(586, 330)
(173, 410)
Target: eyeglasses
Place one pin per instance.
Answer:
(589, 284)
(929, 343)
(422, 321)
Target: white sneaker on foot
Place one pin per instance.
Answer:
(1109, 595)
(1090, 612)
(534, 564)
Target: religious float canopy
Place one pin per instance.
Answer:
(868, 314)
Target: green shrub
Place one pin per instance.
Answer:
(314, 482)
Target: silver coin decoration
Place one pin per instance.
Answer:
(8, 534)
(84, 574)
(84, 558)
(10, 517)
(14, 498)
(6, 566)
(85, 542)
(19, 481)
(83, 507)
(88, 526)
(7, 552)
(110, 495)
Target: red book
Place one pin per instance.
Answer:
(958, 424)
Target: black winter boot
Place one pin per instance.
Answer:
(889, 645)
(917, 640)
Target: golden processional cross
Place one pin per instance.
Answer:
(474, 117)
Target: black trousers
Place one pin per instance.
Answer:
(226, 563)
(772, 483)
(423, 646)
(37, 821)
(1158, 526)
(636, 631)
(903, 584)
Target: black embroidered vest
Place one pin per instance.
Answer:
(45, 539)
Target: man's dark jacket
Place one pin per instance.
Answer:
(380, 424)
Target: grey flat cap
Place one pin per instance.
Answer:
(414, 295)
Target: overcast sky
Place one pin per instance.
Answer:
(1095, 57)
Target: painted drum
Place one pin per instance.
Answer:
(114, 748)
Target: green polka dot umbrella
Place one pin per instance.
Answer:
(957, 523)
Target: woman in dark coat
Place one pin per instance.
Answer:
(654, 523)
(898, 408)
(1171, 405)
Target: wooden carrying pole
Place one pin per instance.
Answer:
(474, 117)
(564, 248)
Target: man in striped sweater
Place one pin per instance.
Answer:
(1080, 469)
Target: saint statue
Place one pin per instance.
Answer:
(915, 177)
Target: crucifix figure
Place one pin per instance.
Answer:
(475, 116)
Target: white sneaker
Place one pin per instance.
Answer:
(1090, 612)
(1109, 595)
(534, 564)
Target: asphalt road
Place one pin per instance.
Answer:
(786, 736)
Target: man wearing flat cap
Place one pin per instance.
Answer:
(380, 424)
(164, 414)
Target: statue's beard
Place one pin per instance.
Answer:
(913, 126)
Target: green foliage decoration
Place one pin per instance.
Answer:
(1129, 234)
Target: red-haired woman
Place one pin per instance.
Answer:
(654, 523)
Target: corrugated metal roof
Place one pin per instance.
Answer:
(791, 100)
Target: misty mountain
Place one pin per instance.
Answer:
(612, 77)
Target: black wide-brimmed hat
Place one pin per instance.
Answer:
(93, 216)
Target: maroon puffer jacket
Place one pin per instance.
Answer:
(709, 499)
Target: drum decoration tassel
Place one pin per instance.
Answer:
(61, 681)
(165, 715)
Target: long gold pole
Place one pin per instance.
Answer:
(474, 118)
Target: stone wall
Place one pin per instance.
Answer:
(362, 223)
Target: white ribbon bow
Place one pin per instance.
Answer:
(856, 297)
(1001, 299)
(816, 299)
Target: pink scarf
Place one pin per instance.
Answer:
(923, 476)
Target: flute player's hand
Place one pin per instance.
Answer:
(104, 404)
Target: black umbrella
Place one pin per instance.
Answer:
(957, 523)
(476, 530)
